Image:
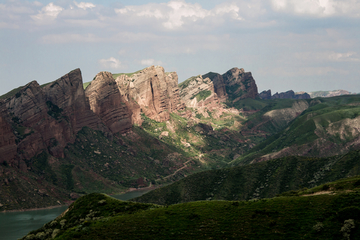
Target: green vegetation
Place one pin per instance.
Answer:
(85, 85)
(186, 83)
(54, 110)
(127, 74)
(257, 180)
(40, 166)
(202, 95)
(11, 93)
(308, 127)
(325, 216)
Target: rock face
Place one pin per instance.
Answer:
(284, 95)
(199, 92)
(240, 84)
(234, 85)
(48, 117)
(151, 91)
(107, 103)
(265, 94)
(219, 85)
(7, 138)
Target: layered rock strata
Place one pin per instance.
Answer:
(151, 91)
(106, 102)
(199, 92)
(7, 138)
(232, 86)
(48, 117)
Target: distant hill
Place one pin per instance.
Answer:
(327, 127)
(329, 93)
(258, 180)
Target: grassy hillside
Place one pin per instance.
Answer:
(258, 180)
(326, 128)
(322, 216)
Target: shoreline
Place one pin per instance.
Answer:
(70, 202)
(34, 209)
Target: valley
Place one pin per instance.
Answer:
(211, 138)
(126, 131)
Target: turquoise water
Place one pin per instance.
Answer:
(14, 225)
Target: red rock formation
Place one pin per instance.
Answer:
(106, 102)
(152, 91)
(219, 85)
(49, 117)
(8, 148)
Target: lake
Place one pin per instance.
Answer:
(15, 225)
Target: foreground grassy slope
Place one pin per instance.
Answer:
(258, 180)
(322, 216)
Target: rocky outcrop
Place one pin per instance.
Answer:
(219, 85)
(240, 84)
(284, 95)
(151, 91)
(234, 85)
(265, 94)
(199, 92)
(106, 102)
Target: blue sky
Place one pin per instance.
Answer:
(306, 45)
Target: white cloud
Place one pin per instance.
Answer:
(70, 37)
(84, 5)
(49, 12)
(344, 57)
(327, 56)
(177, 13)
(111, 63)
(150, 62)
(318, 8)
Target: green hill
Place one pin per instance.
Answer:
(328, 127)
(317, 216)
(258, 180)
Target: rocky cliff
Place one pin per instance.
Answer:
(107, 103)
(198, 92)
(48, 117)
(151, 91)
(207, 92)
(240, 84)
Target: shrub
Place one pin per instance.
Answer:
(318, 227)
(346, 228)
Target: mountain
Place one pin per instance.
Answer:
(329, 211)
(59, 140)
(122, 131)
(329, 93)
(125, 131)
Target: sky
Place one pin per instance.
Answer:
(302, 45)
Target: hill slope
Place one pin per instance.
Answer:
(322, 216)
(258, 180)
